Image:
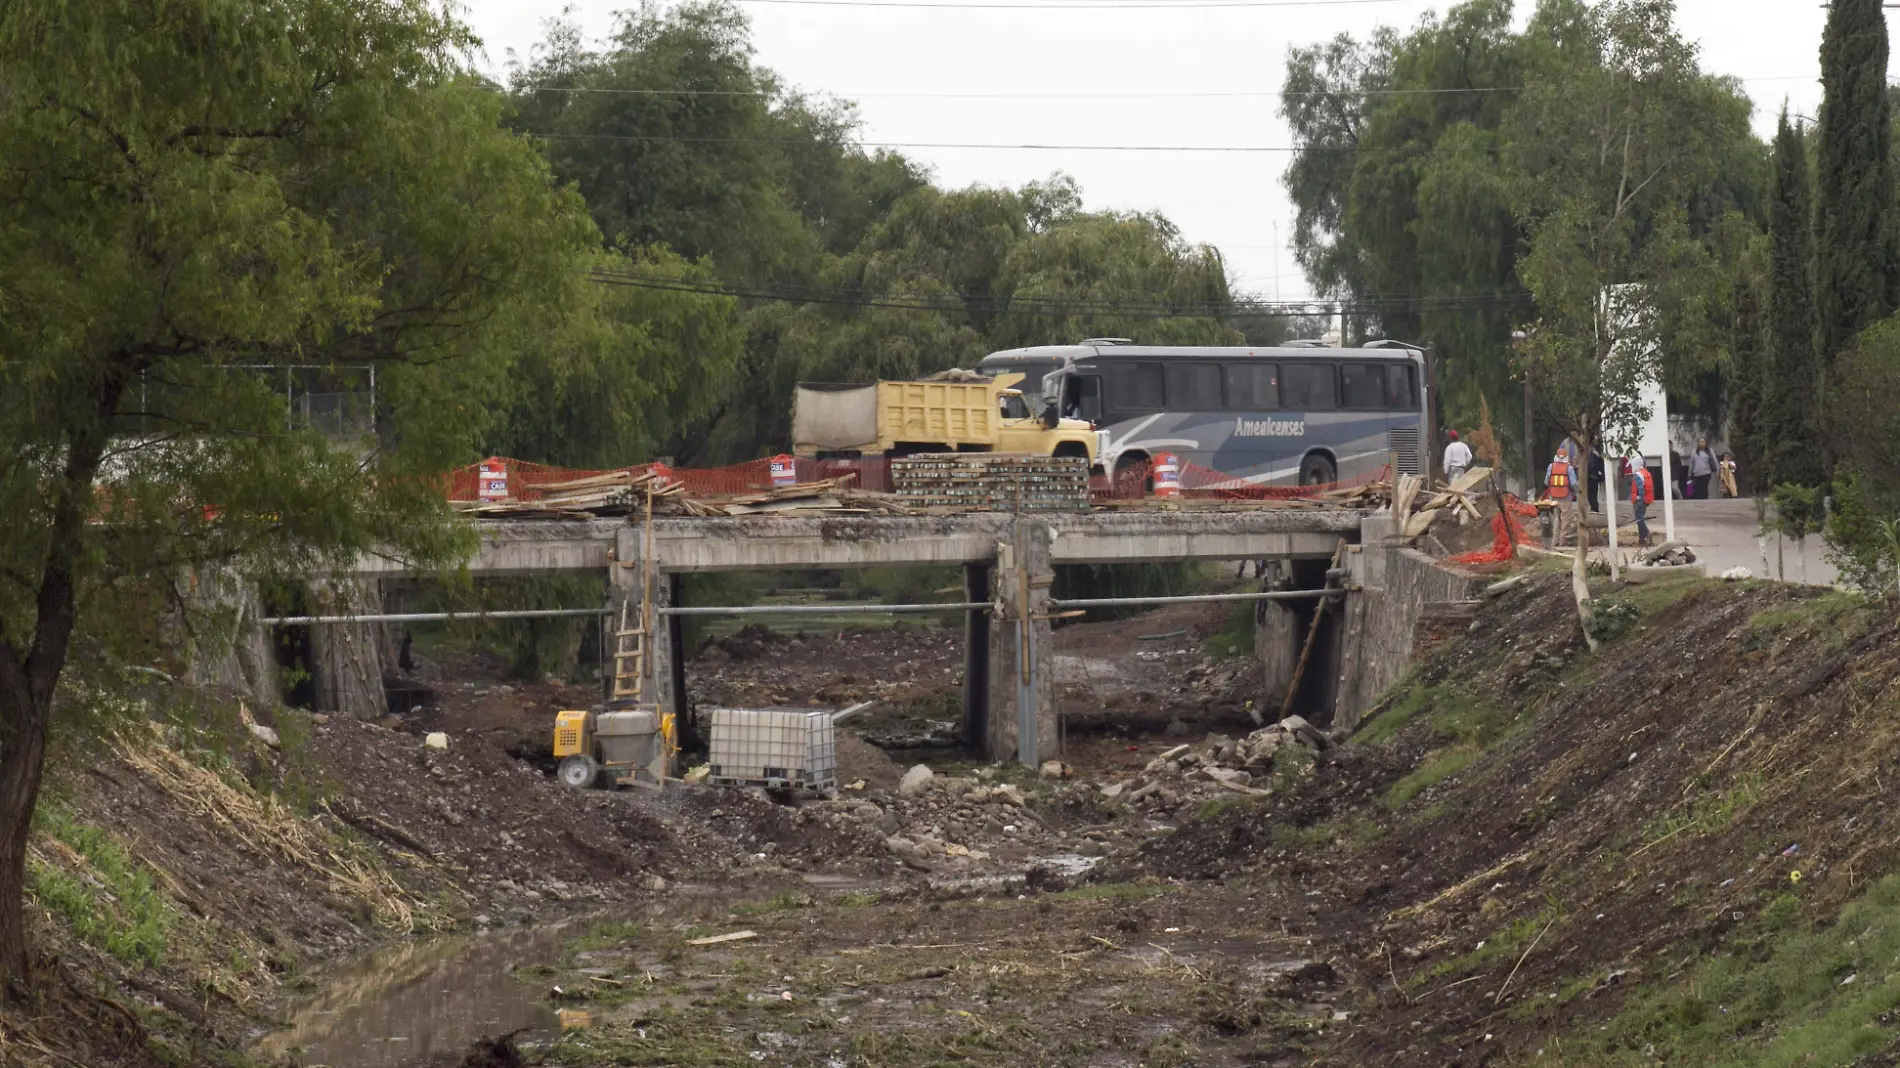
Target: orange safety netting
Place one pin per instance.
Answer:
(1135, 480)
(1508, 532)
(503, 478)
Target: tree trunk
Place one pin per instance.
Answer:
(1580, 575)
(21, 756)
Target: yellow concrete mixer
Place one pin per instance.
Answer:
(607, 748)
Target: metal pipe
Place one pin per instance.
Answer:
(821, 610)
(435, 617)
(1197, 598)
(846, 713)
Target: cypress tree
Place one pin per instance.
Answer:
(1856, 269)
(1787, 429)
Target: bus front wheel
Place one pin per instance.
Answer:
(1318, 470)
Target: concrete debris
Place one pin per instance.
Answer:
(916, 780)
(1737, 574)
(265, 734)
(1219, 764)
(436, 740)
(1669, 554)
(1055, 769)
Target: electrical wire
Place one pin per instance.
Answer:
(1077, 5)
(963, 304)
(951, 145)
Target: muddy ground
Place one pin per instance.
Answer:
(1526, 849)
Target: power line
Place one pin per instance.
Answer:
(1254, 94)
(661, 138)
(1076, 5)
(962, 304)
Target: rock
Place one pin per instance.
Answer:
(1089, 847)
(1113, 790)
(1306, 732)
(1175, 753)
(654, 882)
(915, 781)
(1009, 794)
(888, 824)
(320, 718)
(903, 847)
(1229, 776)
(264, 734)
(436, 740)
(867, 812)
(698, 774)
(1055, 769)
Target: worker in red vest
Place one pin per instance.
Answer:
(1560, 486)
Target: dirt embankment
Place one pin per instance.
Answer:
(1534, 854)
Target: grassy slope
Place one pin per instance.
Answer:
(1594, 846)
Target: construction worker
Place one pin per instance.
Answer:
(1641, 496)
(1457, 457)
(1560, 486)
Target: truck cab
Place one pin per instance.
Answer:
(1023, 430)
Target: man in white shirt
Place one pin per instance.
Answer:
(1457, 457)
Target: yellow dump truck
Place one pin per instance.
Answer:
(952, 412)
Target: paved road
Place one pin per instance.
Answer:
(1723, 534)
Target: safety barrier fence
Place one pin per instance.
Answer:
(1508, 530)
(503, 478)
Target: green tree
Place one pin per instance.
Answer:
(1856, 267)
(1790, 439)
(1605, 156)
(191, 193)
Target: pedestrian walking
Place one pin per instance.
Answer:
(1560, 486)
(1641, 497)
(1702, 466)
(1729, 486)
(1457, 457)
(1595, 479)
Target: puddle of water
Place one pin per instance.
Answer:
(423, 1001)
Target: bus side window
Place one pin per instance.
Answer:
(1135, 387)
(1252, 387)
(1364, 384)
(1082, 398)
(1401, 393)
(1193, 386)
(1309, 387)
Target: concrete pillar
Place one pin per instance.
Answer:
(976, 657)
(1276, 642)
(1022, 581)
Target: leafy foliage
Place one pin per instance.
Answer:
(1857, 264)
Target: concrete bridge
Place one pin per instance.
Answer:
(1008, 561)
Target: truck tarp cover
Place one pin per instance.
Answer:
(834, 417)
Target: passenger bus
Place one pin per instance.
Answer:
(1300, 413)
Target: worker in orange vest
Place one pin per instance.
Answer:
(1641, 497)
(1560, 486)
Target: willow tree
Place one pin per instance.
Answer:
(200, 198)
(1606, 154)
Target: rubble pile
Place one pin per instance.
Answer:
(1217, 765)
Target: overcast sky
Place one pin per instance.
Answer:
(1031, 72)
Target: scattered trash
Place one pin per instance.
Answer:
(1791, 850)
(1737, 574)
(713, 940)
(574, 1019)
(1794, 876)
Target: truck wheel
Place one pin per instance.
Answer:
(579, 771)
(1317, 470)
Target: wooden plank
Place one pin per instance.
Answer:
(715, 940)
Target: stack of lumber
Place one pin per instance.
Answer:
(1416, 505)
(611, 493)
(992, 482)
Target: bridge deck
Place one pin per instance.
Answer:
(775, 542)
